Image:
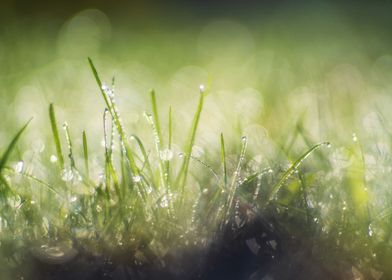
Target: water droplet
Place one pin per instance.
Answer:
(180, 155)
(98, 208)
(244, 138)
(205, 191)
(164, 202)
(136, 179)
(370, 230)
(53, 158)
(355, 138)
(331, 196)
(19, 166)
(67, 175)
(73, 199)
(329, 145)
(202, 88)
(166, 154)
(65, 125)
(270, 171)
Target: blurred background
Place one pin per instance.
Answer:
(271, 67)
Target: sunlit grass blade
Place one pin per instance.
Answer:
(182, 176)
(116, 119)
(156, 116)
(223, 160)
(70, 146)
(169, 146)
(275, 189)
(158, 149)
(234, 183)
(146, 161)
(56, 137)
(11, 146)
(85, 154)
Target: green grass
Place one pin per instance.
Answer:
(148, 187)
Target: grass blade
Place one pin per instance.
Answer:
(56, 137)
(85, 153)
(156, 116)
(70, 146)
(116, 119)
(223, 160)
(182, 177)
(290, 171)
(11, 145)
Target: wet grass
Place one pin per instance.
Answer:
(203, 163)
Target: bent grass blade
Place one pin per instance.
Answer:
(291, 170)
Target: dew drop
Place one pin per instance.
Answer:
(164, 202)
(205, 191)
(355, 138)
(180, 155)
(202, 88)
(329, 145)
(19, 166)
(67, 175)
(53, 158)
(73, 199)
(244, 138)
(136, 179)
(370, 230)
(166, 154)
(98, 208)
(65, 125)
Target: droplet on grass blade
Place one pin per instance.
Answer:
(67, 175)
(136, 179)
(18, 167)
(53, 158)
(355, 138)
(166, 154)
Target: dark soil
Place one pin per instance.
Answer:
(252, 252)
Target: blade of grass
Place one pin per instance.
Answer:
(85, 154)
(70, 146)
(223, 160)
(11, 146)
(182, 176)
(156, 116)
(116, 119)
(291, 170)
(124, 141)
(169, 146)
(234, 183)
(56, 137)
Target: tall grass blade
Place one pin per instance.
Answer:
(85, 153)
(156, 116)
(116, 119)
(70, 146)
(56, 137)
(11, 145)
(223, 160)
(234, 183)
(182, 177)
